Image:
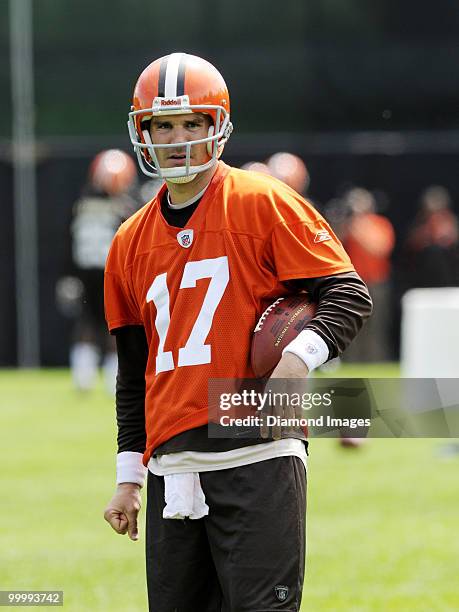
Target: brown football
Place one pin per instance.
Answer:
(280, 323)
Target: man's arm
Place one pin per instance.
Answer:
(121, 513)
(132, 349)
(343, 305)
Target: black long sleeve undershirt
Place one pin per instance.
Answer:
(344, 304)
(132, 348)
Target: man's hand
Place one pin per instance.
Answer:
(289, 367)
(122, 510)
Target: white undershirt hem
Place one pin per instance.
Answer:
(193, 461)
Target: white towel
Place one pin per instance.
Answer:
(184, 497)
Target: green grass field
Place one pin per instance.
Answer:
(382, 521)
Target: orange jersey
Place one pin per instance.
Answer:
(199, 291)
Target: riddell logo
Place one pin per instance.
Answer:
(160, 102)
(171, 102)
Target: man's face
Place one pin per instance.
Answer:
(168, 129)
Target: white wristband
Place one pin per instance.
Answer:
(310, 348)
(129, 468)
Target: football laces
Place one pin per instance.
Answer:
(261, 320)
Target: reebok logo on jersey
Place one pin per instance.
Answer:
(185, 238)
(322, 236)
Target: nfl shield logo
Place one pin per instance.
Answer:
(281, 592)
(185, 238)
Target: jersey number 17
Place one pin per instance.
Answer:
(195, 352)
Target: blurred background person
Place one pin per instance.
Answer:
(431, 250)
(256, 166)
(369, 239)
(105, 203)
(148, 190)
(290, 169)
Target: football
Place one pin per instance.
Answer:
(279, 324)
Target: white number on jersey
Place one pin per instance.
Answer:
(195, 352)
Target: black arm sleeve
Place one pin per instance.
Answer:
(132, 348)
(344, 304)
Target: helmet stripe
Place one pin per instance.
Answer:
(170, 90)
(181, 76)
(162, 76)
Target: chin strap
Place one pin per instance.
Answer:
(182, 179)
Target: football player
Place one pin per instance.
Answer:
(104, 205)
(184, 285)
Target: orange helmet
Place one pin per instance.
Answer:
(290, 169)
(179, 83)
(112, 171)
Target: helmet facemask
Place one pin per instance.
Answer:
(145, 150)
